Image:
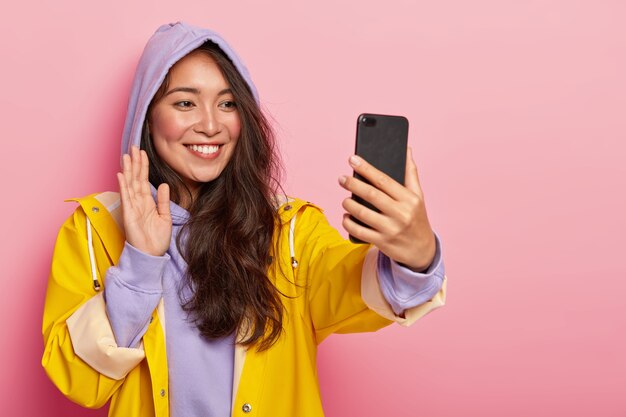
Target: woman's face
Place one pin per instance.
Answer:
(195, 125)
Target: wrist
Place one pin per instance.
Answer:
(426, 256)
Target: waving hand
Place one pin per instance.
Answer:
(148, 226)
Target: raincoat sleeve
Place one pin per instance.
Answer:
(343, 288)
(72, 301)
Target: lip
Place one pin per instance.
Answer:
(205, 143)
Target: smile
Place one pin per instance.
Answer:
(204, 149)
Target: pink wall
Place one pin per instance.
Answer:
(518, 127)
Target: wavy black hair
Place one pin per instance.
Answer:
(228, 238)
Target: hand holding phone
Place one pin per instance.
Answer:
(387, 208)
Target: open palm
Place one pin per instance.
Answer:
(148, 226)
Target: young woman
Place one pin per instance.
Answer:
(198, 289)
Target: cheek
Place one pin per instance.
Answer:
(235, 128)
(166, 127)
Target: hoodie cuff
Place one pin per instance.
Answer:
(140, 271)
(133, 289)
(404, 288)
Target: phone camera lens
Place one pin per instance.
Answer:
(368, 121)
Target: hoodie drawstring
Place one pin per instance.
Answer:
(92, 258)
(292, 251)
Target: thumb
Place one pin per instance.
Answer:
(163, 200)
(411, 178)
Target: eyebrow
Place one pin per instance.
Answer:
(195, 91)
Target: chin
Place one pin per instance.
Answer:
(203, 179)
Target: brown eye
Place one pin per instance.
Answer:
(228, 105)
(184, 104)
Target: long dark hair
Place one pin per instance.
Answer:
(228, 239)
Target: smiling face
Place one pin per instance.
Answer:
(195, 125)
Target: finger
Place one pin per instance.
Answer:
(368, 216)
(369, 193)
(377, 178)
(163, 200)
(360, 232)
(144, 172)
(411, 176)
(125, 199)
(128, 176)
(136, 168)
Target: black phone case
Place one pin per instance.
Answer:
(381, 140)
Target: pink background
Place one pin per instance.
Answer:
(518, 124)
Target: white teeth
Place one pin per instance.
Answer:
(205, 149)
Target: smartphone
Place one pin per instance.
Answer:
(382, 141)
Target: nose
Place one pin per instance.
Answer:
(208, 123)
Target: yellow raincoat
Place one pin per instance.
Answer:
(337, 292)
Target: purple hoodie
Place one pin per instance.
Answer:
(201, 371)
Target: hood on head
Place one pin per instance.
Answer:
(169, 44)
